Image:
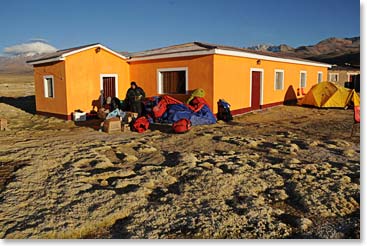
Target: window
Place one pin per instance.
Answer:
(279, 80)
(351, 76)
(319, 77)
(172, 81)
(333, 77)
(303, 79)
(48, 81)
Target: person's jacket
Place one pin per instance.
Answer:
(135, 95)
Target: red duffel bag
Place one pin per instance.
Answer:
(181, 126)
(140, 125)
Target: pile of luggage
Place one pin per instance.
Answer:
(166, 109)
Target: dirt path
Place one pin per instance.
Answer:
(287, 172)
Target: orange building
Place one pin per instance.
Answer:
(249, 80)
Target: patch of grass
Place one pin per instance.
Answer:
(91, 230)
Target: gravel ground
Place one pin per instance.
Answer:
(286, 172)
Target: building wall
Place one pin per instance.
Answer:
(232, 81)
(200, 74)
(56, 105)
(78, 83)
(83, 72)
(342, 76)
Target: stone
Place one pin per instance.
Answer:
(304, 224)
(254, 155)
(104, 183)
(349, 152)
(282, 195)
(331, 146)
(206, 165)
(253, 144)
(103, 165)
(345, 179)
(147, 149)
(189, 158)
(294, 148)
(314, 143)
(303, 171)
(231, 152)
(294, 161)
(273, 151)
(217, 170)
(130, 158)
(342, 143)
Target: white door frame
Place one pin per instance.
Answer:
(261, 84)
(101, 76)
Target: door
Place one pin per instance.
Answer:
(255, 90)
(109, 87)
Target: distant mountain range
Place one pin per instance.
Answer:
(331, 50)
(15, 65)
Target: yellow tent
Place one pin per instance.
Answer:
(330, 95)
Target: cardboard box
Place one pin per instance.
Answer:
(125, 128)
(112, 125)
(3, 124)
(78, 116)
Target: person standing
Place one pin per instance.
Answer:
(135, 96)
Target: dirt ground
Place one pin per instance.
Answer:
(285, 172)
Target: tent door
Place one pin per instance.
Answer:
(255, 90)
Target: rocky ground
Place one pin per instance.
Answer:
(287, 172)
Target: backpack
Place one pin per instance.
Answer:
(224, 111)
(140, 125)
(181, 126)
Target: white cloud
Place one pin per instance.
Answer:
(38, 39)
(29, 49)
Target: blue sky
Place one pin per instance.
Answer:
(133, 25)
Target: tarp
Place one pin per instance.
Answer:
(330, 95)
(165, 109)
(161, 107)
(176, 112)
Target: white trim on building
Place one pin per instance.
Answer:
(300, 79)
(62, 57)
(116, 76)
(261, 85)
(46, 86)
(337, 77)
(268, 58)
(160, 81)
(318, 76)
(275, 79)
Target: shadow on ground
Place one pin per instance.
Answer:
(27, 103)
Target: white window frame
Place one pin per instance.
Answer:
(322, 75)
(116, 76)
(45, 86)
(173, 69)
(330, 74)
(349, 74)
(261, 85)
(275, 79)
(300, 79)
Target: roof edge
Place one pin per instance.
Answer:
(46, 60)
(62, 56)
(172, 55)
(220, 51)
